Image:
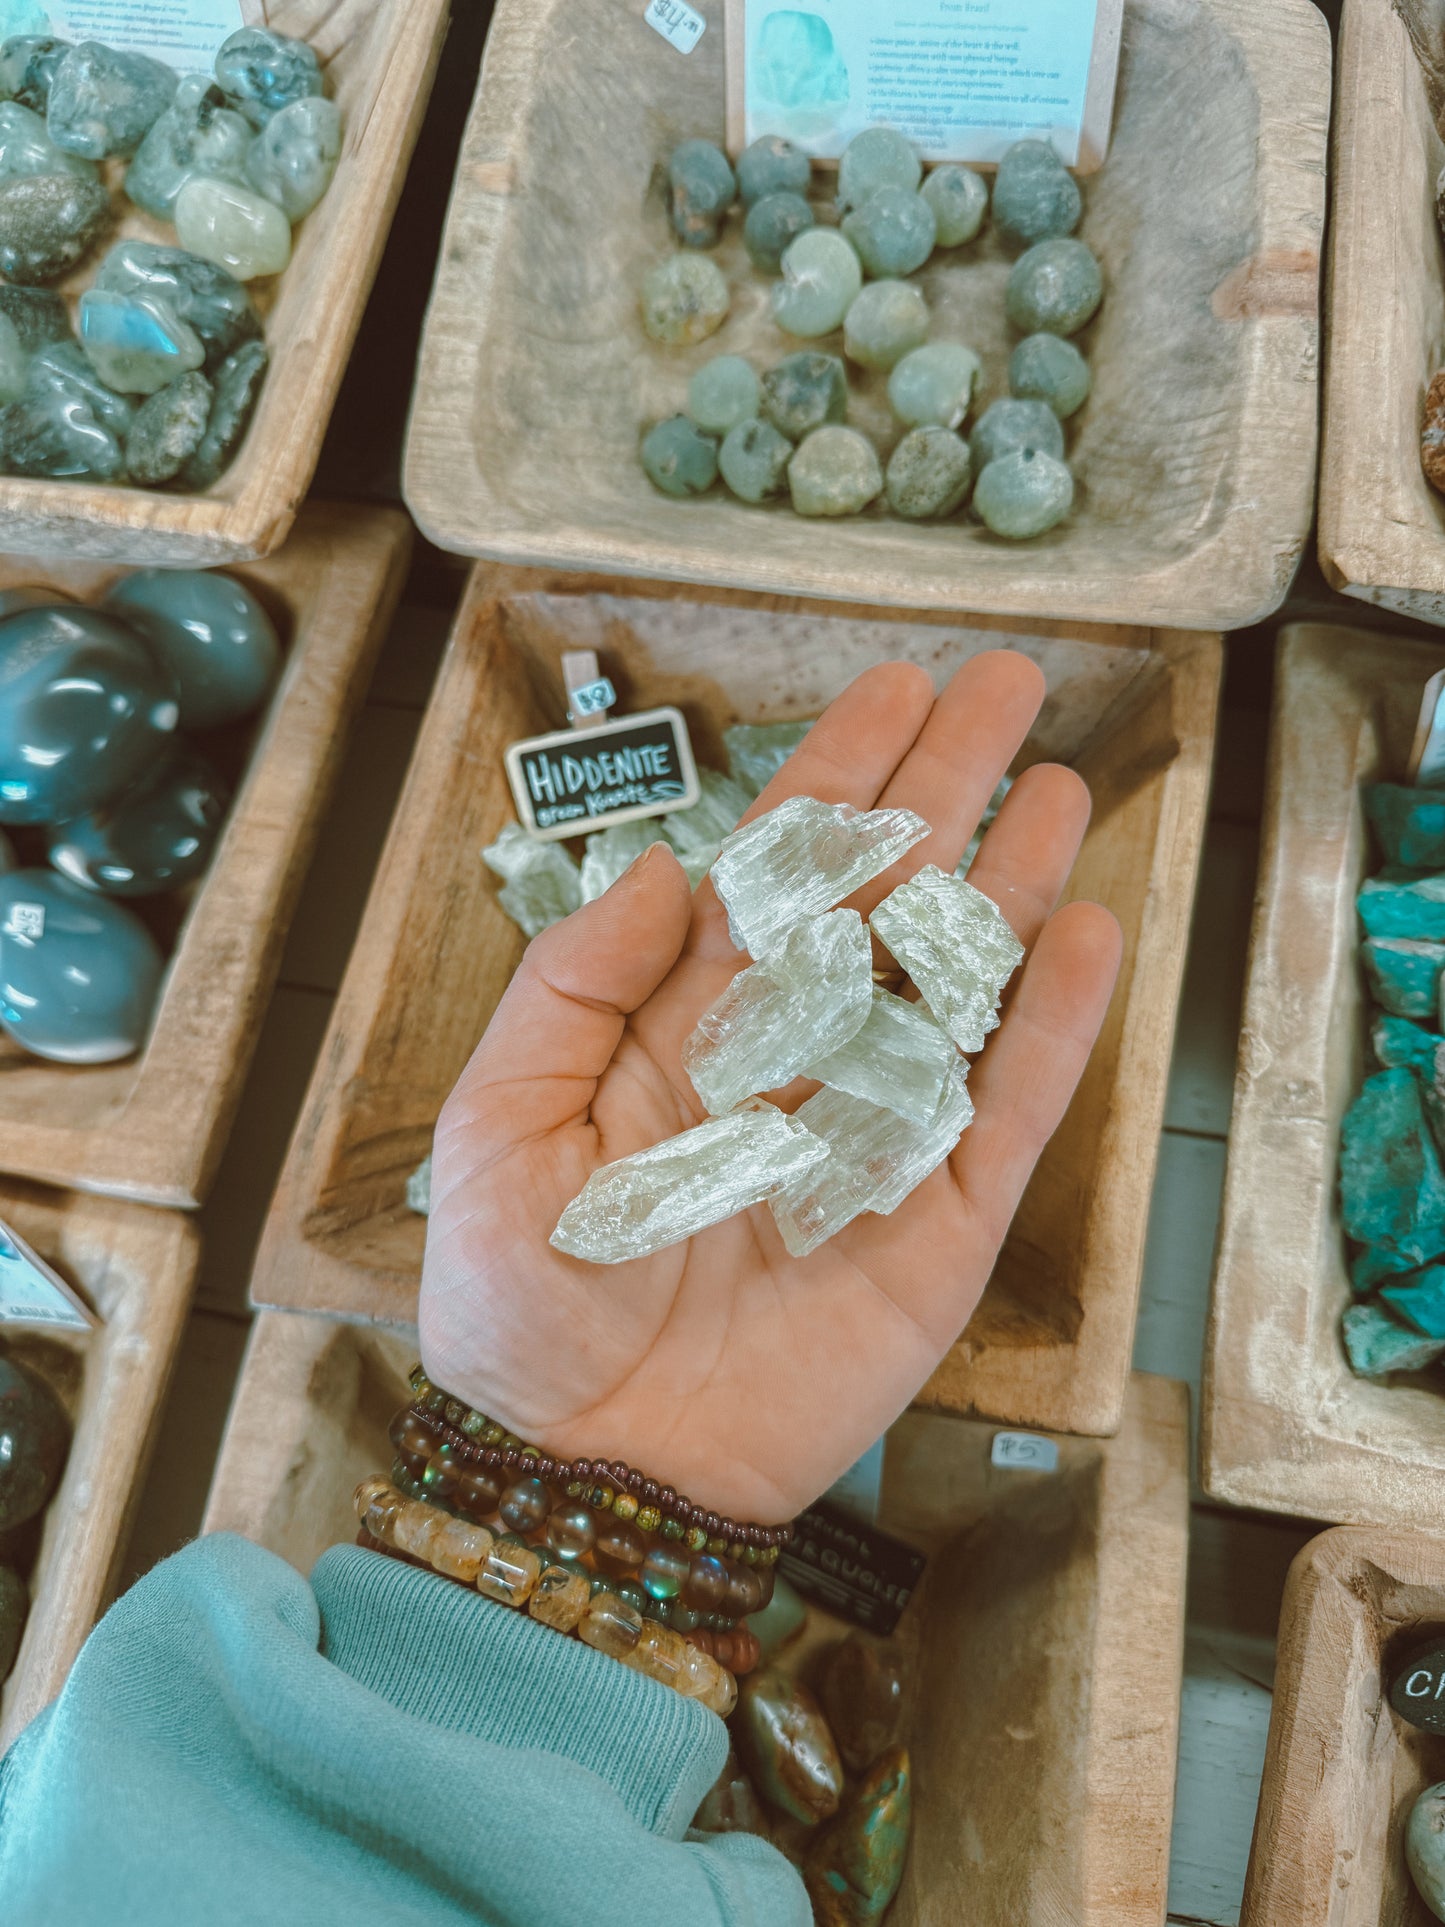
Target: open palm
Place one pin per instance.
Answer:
(748, 1379)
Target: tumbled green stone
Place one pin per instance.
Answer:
(772, 165)
(703, 188)
(158, 835)
(804, 392)
(197, 134)
(753, 461)
(26, 147)
(1024, 494)
(27, 67)
(203, 295)
(1008, 425)
(104, 100)
(38, 315)
(240, 231)
(59, 439)
(1035, 197)
(1398, 1042)
(933, 386)
(1049, 369)
(1425, 1848)
(1404, 974)
(684, 299)
(928, 474)
(14, 362)
(261, 72)
(1054, 288)
(723, 393)
(878, 157)
(785, 1615)
(541, 881)
(293, 158)
(894, 232)
(757, 751)
(48, 222)
(887, 321)
(1377, 1344)
(835, 472)
(219, 646)
(959, 199)
(855, 1870)
(34, 1435)
(678, 458)
(822, 277)
(1409, 824)
(167, 430)
(14, 1608)
(135, 344)
(236, 385)
(60, 370)
(1391, 1184)
(773, 224)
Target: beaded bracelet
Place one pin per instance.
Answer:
(514, 1574)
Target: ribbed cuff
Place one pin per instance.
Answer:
(444, 1654)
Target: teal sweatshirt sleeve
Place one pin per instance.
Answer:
(235, 1745)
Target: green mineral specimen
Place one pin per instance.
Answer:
(835, 472)
(1399, 1043)
(1403, 909)
(38, 315)
(418, 1189)
(900, 1059)
(822, 276)
(703, 188)
(723, 393)
(1049, 369)
(48, 222)
(204, 296)
(1419, 1298)
(34, 1435)
(1008, 425)
(684, 299)
(933, 386)
(856, 1868)
(261, 72)
(1404, 974)
(959, 199)
(753, 461)
(168, 429)
(887, 321)
(1035, 197)
(716, 813)
(894, 231)
(772, 226)
(541, 881)
(1055, 288)
(104, 100)
(757, 751)
(26, 147)
(956, 945)
(770, 166)
(135, 344)
(14, 362)
(1024, 494)
(679, 459)
(928, 474)
(1409, 824)
(804, 392)
(27, 67)
(879, 157)
(198, 134)
(293, 158)
(1391, 1183)
(61, 371)
(1379, 1265)
(236, 385)
(239, 230)
(1376, 1344)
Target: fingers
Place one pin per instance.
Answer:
(1029, 850)
(852, 751)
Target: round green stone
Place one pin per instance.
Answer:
(894, 232)
(929, 474)
(679, 459)
(835, 472)
(933, 386)
(772, 165)
(753, 461)
(959, 199)
(684, 299)
(1049, 369)
(723, 393)
(822, 278)
(1008, 425)
(772, 226)
(887, 321)
(703, 189)
(1023, 494)
(1035, 197)
(878, 157)
(1054, 288)
(805, 392)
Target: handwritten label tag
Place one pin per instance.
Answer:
(1024, 1452)
(185, 34)
(859, 1572)
(677, 23)
(31, 1293)
(576, 781)
(25, 923)
(594, 698)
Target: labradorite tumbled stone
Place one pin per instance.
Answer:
(772, 165)
(292, 159)
(136, 345)
(85, 711)
(1049, 369)
(197, 134)
(104, 100)
(1008, 424)
(203, 295)
(61, 371)
(84, 990)
(753, 461)
(856, 1868)
(59, 438)
(1054, 288)
(27, 67)
(805, 391)
(14, 363)
(48, 222)
(39, 315)
(928, 474)
(215, 641)
(26, 147)
(1024, 494)
(959, 199)
(236, 228)
(262, 72)
(168, 429)
(772, 226)
(679, 458)
(894, 232)
(14, 1608)
(236, 386)
(34, 1434)
(703, 187)
(786, 1746)
(1035, 197)
(155, 837)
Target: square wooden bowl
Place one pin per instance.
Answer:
(1132, 709)
(135, 1268)
(1286, 1424)
(1342, 1771)
(153, 1128)
(379, 61)
(1049, 1626)
(1382, 526)
(1194, 456)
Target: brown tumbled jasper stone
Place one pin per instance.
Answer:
(1432, 436)
(787, 1747)
(862, 1693)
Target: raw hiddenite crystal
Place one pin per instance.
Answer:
(894, 232)
(876, 1159)
(956, 945)
(959, 199)
(772, 227)
(262, 72)
(933, 386)
(48, 223)
(900, 1059)
(237, 229)
(753, 461)
(673, 1190)
(293, 158)
(803, 858)
(204, 296)
(1024, 494)
(810, 995)
(136, 345)
(714, 815)
(103, 100)
(887, 321)
(684, 299)
(757, 751)
(822, 278)
(835, 472)
(197, 134)
(541, 881)
(610, 852)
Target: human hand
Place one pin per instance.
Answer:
(745, 1378)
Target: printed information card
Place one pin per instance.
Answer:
(963, 79)
(185, 34)
(31, 1293)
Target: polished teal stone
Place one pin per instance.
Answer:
(1035, 197)
(928, 475)
(1008, 424)
(80, 974)
(1404, 974)
(27, 67)
(48, 223)
(1397, 1041)
(1419, 1298)
(104, 100)
(1024, 494)
(38, 315)
(1425, 1848)
(772, 226)
(261, 72)
(1377, 1344)
(134, 342)
(1047, 368)
(1054, 288)
(14, 1609)
(197, 134)
(679, 458)
(1391, 1183)
(237, 387)
(772, 165)
(85, 711)
(959, 199)
(156, 836)
(62, 372)
(786, 1746)
(1409, 824)
(753, 461)
(894, 231)
(879, 157)
(200, 293)
(167, 430)
(34, 1436)
(216, 643)
(1410, 909)
(293, 158)
(58, 437)
(26, 147)
(856, 1868)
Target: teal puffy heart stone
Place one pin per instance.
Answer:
(80, 974)
(34, 1435)
(261, 72)
(217, 644)
(1392, 1186)
(157, 836)
(104, 100)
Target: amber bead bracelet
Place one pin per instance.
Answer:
(506, 1569)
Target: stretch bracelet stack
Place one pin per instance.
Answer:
(509, 1571)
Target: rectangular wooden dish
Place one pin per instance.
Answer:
(1342, 1771)
(1132, 709)
(1044, 1767)
(1194, 456)
(135, 1268)
(1382, 526)
(379, 61)
(1286, 1424)
(153, 1127)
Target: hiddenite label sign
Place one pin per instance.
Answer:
(185, 34)
(576, 781)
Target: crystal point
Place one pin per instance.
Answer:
(802, 858)
(541, 882)
(675, 1189)
(610, 852)
(956, 945)
(901, 1059)
(812, 994)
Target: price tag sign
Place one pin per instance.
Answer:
(677, 23)
(1024, 1452)
(31, 1293)
(594, 698)
(576, 781)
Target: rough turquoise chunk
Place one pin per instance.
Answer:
(1413, 909)
(293, 158)
(167, 430)
(48, 222)
(60, 372)
(856, 1868)
(1034, 195)
(797, 63)
(237, 386)
(26, 147)
(157, 836)
(27, 67)
(1399, 1043)
(201, 293)
(1378, 1265)
(262, 72)
(1404, 974)
(58, 438)
(1391, 1183)
(79, 974)
(197, 134)
(214, 640)
(1419, 1298)
(757, 751)
(104, 100)
(134, 343)
(1377, 1345)
(1409, 824)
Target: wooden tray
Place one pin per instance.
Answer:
(135, 1268)
(379, 61)
(1044, 1765)
(1382, 527)
(1286, 1424)
(1341, 1771)
(153, 1127)
(1134, 710)
(1195, 457)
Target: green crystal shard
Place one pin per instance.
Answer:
(802, 858)
(976, 840)
(541, 881)
(757, 751)
(1377, 1345)
(418, 1189)
(610, 852)
(695, 831)
(899, 1060)
(1391, 1182)
(956, 945)
(675, 1189)
(1397, 908)
(811, 995)
(876, 1159)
